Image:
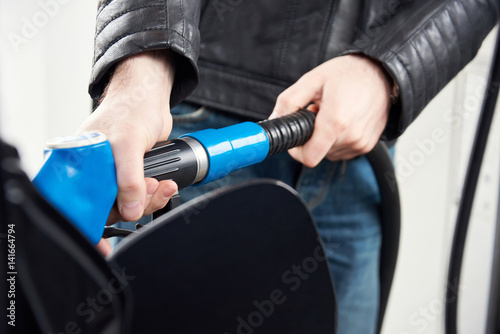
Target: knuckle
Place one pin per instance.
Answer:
(362, 146)
(313, 75)
(314, 156)
(130, 186)
(283, 99)
(356, 139)
(341, 126)
(359, 144)
(368, 147)
(311, 161)
(155, 205)
(158, 206)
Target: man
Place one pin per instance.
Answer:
(370, 67)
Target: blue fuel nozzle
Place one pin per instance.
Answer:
(204, 156)
(78, 178)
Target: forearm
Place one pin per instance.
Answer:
(126, 28)
(147, 75)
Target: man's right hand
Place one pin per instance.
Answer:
(134, 115)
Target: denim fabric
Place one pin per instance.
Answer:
(343, 198)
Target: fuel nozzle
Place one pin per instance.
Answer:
(81, 168)
(207, 155)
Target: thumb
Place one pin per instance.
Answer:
(130, 178)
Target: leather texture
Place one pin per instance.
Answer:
(250, 51)
(128, 27)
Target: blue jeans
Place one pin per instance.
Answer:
(343, 198)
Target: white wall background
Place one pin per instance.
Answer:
(45, 60)
(431, 175)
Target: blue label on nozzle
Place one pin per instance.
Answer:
(78, 178)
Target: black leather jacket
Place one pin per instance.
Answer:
(244, 53)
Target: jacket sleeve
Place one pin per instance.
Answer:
(128, 27)
(423, 46)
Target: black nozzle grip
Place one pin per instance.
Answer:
(289, 131)
(172, 160)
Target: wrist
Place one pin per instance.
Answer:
(147, 75)
(389, 82)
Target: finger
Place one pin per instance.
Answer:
(165, 190)
(323, 138)
(313, 107)
(130, 179)
(344, 154)
(114, 216)
(151, 187)
(357, 141)
(104, 247)
(351, 151)
(306, 90)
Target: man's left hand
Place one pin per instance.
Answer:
(351, 95)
